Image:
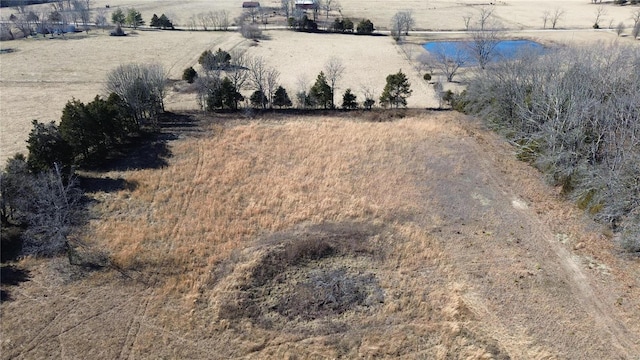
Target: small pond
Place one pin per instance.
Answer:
(506, 49)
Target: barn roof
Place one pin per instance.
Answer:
(250, 4)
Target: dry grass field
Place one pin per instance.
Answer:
(307, 237)
(291, 236)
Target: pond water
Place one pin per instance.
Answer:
(506, 49)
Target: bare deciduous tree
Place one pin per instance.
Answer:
(636, 23)
(485, 14)
(238, 72)
(467, 20)
(599, 13)
(620, 28)
(82, 12)
(100, 18)
(401, 23)
(142, 87)
(448, 63)
(54, 208)
(258, 74)
(328, 6)
(556, 16)
(482, 46)
(334, 69)
(271, 82)
(546, 15)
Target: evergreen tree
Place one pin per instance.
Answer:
(189, 74)
(230, 95)
(164, 22)
(349, 100)
(118, 17)
(281, 98)
(365, 27)
(321, 91)
(155, 21)
(134, 18)
(219, 60)
(47, 147)
(396, 91)
(258, 99)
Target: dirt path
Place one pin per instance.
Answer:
(535, 293)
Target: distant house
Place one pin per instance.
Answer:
(250, 4)
(306, 4)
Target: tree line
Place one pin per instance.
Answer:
(574, 113)
(224, 75)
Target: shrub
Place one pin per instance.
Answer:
(118, 31)
(47, 147)
(349, 100)
(427, 77)
(365, 27)
(189, 74)
(250, 31)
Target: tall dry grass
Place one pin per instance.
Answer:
(464, 273)
(244, 180)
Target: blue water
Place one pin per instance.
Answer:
(506, 49)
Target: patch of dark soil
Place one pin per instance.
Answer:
(328, 292)
(313, 273)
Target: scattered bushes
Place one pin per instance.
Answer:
(220, 60)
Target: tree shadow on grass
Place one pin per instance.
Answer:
(105, 184)
(11, 275)
(147, 150)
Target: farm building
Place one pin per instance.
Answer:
(307, 4)
(250, 4)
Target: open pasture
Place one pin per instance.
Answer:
(430, 238)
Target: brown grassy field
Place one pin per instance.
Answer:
(307, 237)
(316, 237)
